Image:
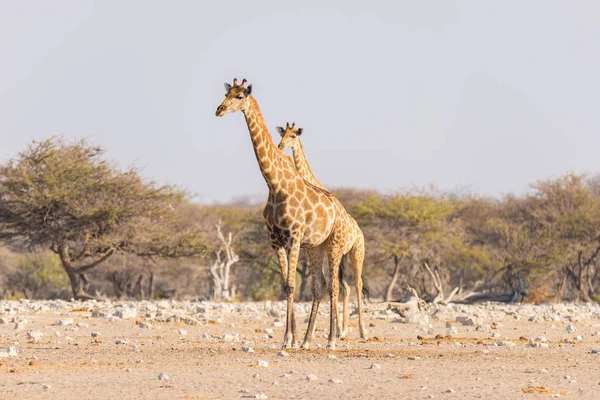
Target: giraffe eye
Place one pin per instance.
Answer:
(239, 97)
(294, 136)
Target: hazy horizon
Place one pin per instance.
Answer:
(485, 96)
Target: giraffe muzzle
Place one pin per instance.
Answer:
(220, 111)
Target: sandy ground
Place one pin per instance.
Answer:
(205, 360)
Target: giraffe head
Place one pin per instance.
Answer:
(236, 98)
(289, 136)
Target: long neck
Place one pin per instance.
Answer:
(303, 167)
(270, 158)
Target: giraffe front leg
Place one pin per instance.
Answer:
(334, 258)
(290, 285)
(316, 257)
(283, 263)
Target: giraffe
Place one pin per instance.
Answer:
(290, 138)
(297, 214)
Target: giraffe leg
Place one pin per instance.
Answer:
(290, 339)
(283, 263)
(334, 257)
(342, 323)
(357, 257)
(316, 256)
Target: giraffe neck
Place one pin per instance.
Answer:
(302, 165)
(270, 158)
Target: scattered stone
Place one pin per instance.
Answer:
(496, 334)
(64, 322)
(262, 363)
(413, 358)
(183, 332)
(375, 366)
(96, 334)
(46, 387)
(278, 324)
(578, 338)
(268, 331)
(283, 354)
(541, 339)
(335, 380)
(11, 351)
(139, 362)
(228, 337)
(595, 351)
(505, 343)
(451, 331)
(119, 341)
(311, 377)
(260, 396)
(125, 313)
(145, 325)
(331, 356)
(450, 391)
(247, 349)
(163, 377)
(466, 321)
(256, 375)
(34, 335)
(570, 328)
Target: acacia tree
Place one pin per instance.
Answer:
(409, 229)
(64, 196)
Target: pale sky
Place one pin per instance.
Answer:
(490, 96)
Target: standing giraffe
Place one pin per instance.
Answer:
(297, 214)
(290, 138)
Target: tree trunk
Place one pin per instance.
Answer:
(390, 288)
(151, 289)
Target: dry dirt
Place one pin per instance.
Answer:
(68, 363)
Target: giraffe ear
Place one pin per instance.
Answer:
(248, 90)
(227, 87)
(299, 131)
(280, 130)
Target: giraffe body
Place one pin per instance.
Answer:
(353, 244)
(297, 214)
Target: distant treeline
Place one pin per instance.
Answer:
(64, 209)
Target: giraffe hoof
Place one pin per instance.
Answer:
(331, 346)
(305, 346)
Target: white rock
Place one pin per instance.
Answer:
(64, 322)
(260, 396)
(34, 335)
(183, 332)
(496, 334)
(375, 366)
(450, 391)
(228, 337)
(11, 351)
(163, 377)
(542, 339)
(262, 363)
(311, 377)
(505, 343)
(331, 356)
(335, 380)
(46, 386)
(119, 341)
(268, 331)
(570, 328)
(278, 324)
(145, 325)
(96, 334)
(283, 354)
(413, 358)
(595, 351)
(256, 375)
(578, 338)
(126, 313)
(451, 331)
(247, 349)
